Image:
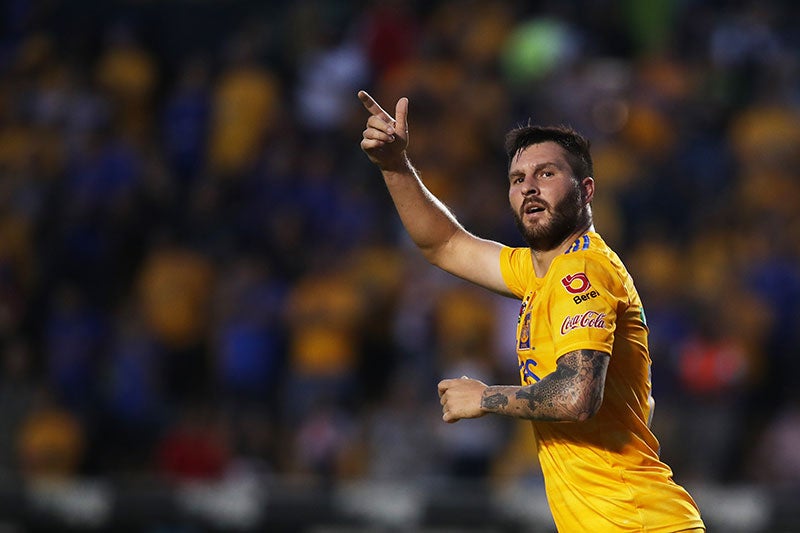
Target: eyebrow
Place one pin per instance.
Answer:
(536, 168)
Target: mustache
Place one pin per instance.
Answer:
(538, 202)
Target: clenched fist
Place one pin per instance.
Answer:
(461, 398)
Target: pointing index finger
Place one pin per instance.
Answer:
(373, 107)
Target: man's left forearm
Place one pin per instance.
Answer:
(572, 393)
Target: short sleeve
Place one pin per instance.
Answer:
(517, 269)
(583, 299)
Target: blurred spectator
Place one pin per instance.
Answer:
(464, 328)
(75, 108)
(127, 71)
(248, 342)
(94, 235)
(174, 294)
(186, 121)
(245, 108)
(196, 447)
(658, 268)
(715, 371)
(174, 290)
(412, 329)
(133, 395)
(51, 442)
(390, 35)
(332, 68)
(75, 333)
(325, 314)
(336, 217)
(377, 272)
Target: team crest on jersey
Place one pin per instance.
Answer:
(525, 333)
(576, 283)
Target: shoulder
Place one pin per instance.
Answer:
(588, 257)
(588, 249)
(517, 260)
(516, 267)
(509, 253)
(590, 244)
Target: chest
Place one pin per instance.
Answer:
(535, 344)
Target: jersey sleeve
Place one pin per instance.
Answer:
(584, 297)
(517, 268)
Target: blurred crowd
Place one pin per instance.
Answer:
(202, 276)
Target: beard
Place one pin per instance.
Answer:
(566, 218)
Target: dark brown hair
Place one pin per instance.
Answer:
(575, 144)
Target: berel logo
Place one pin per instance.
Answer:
(589, 319)
(580, 298)
(576, 283)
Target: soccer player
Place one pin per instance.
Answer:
(581, 334)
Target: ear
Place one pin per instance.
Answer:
(587, 189)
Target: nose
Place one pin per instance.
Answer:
(529, 186)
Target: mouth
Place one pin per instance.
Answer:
(532, 208)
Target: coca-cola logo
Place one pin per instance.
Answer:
(589, 319)
(576, 283)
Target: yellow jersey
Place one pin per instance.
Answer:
(603, 474)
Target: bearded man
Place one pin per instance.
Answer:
(581, 335)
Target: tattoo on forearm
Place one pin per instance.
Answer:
(494, 401)
(573, 392)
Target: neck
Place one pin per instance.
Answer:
(543, 258)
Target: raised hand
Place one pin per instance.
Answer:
(385, 139)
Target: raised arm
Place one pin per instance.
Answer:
(572, 393)
(434, 229)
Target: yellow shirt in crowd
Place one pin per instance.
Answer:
(603, 474)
